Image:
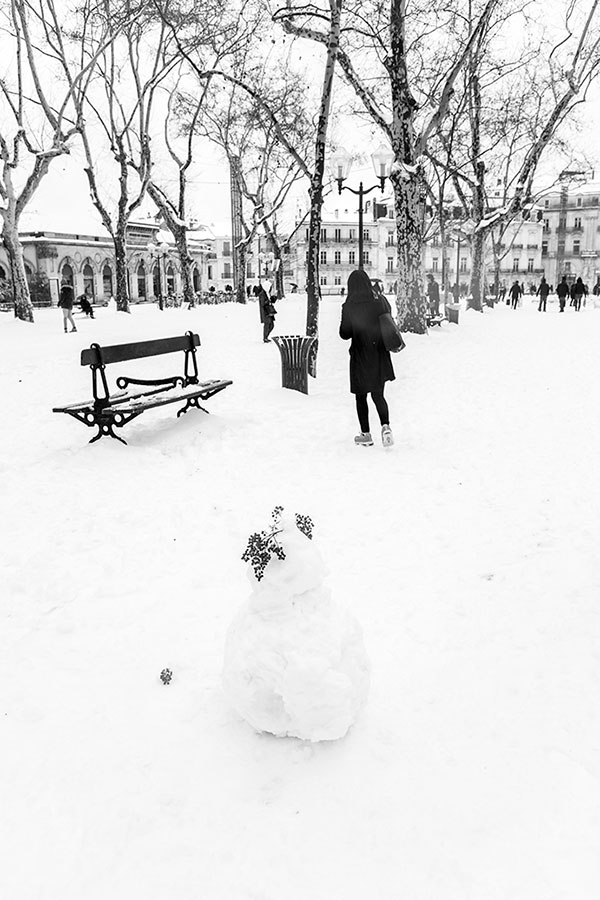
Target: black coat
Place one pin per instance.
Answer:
(370, 363)
(266, 308)
(66, 297)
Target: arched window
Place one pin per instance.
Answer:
(89, 286)
(107, 281)
(67, 274)
(141, 280)
(196, 278)
(170, 280)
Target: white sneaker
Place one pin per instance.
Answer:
(364, 439)
(387, 438)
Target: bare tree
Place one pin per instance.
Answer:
(39, 122)
(321, 24)
(389, 56)
(209, 32)
(264, 171)
(558, 82)
(115, 110)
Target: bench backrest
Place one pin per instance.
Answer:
(98, 356)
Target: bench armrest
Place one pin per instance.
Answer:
(173, 381)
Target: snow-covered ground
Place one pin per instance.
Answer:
(469, 553)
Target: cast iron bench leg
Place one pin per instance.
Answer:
(105, 428)
(192, 401)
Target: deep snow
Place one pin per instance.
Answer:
(468, 553)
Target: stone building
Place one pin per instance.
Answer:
(86, 260)
(571, 232)
(520, 250)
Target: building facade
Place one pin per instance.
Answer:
(571, 233)
(519, 252)
(86, 261)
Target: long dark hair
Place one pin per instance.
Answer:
(359, 287)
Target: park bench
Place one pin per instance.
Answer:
(435, 320)
(107, 411)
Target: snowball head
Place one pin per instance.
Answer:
(295, 663)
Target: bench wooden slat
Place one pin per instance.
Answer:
(138, 350)
(204, 390)
(119, 397)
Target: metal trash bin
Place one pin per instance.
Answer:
(295, 351)
(452, 310)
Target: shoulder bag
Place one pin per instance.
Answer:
(390, 333)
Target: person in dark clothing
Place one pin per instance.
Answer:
(596, 288)
(370, 363)
(267, 311)
(86, 306)
(515, 293)
(563, 292)
(542, 292)
(65, 301)
(578, 291)
(433, 294)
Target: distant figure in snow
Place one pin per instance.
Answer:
(65, 301)
(370, 363)
(515, 293)
(85, 305)
(433, 294)
(563, 292)
(266, 310)
(596, 288)
(578, 291)
(542, 292)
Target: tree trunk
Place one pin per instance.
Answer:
(14, 251)
(316, 187)
(121, 293)
(477, 271)
(277, 260)
(185, 263)
(406, 179)
(410, 300)
(313, 288)
(240, 260)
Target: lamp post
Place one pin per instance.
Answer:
(340, 167)
(159, 251)
(464, 230)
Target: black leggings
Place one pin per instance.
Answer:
(363, 410)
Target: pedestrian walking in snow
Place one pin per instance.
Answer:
(578, 291)
(267, 311)
(596, 288)
(370, 363)
(515, 293)
(433, 295)
(563, 292)
(542, 292)
(65, 301)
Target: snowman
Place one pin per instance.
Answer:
(295, 663)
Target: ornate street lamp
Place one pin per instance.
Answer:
(159, 251)
(340, 164)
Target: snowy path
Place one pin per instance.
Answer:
(469, 554)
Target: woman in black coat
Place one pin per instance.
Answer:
(65, 301)
(370, 363)
(267, 311)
